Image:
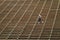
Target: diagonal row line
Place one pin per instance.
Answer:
(45, 20)
(12, 18)
(5, 17)
(8, 12)
(5, 7)
(37, 19)
(33, 26)
(2, 2)
(35, 8)
(54, 21)
(20, 19)
(28, 20)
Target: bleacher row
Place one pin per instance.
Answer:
(18, 19)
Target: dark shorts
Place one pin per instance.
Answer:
(39, 20)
